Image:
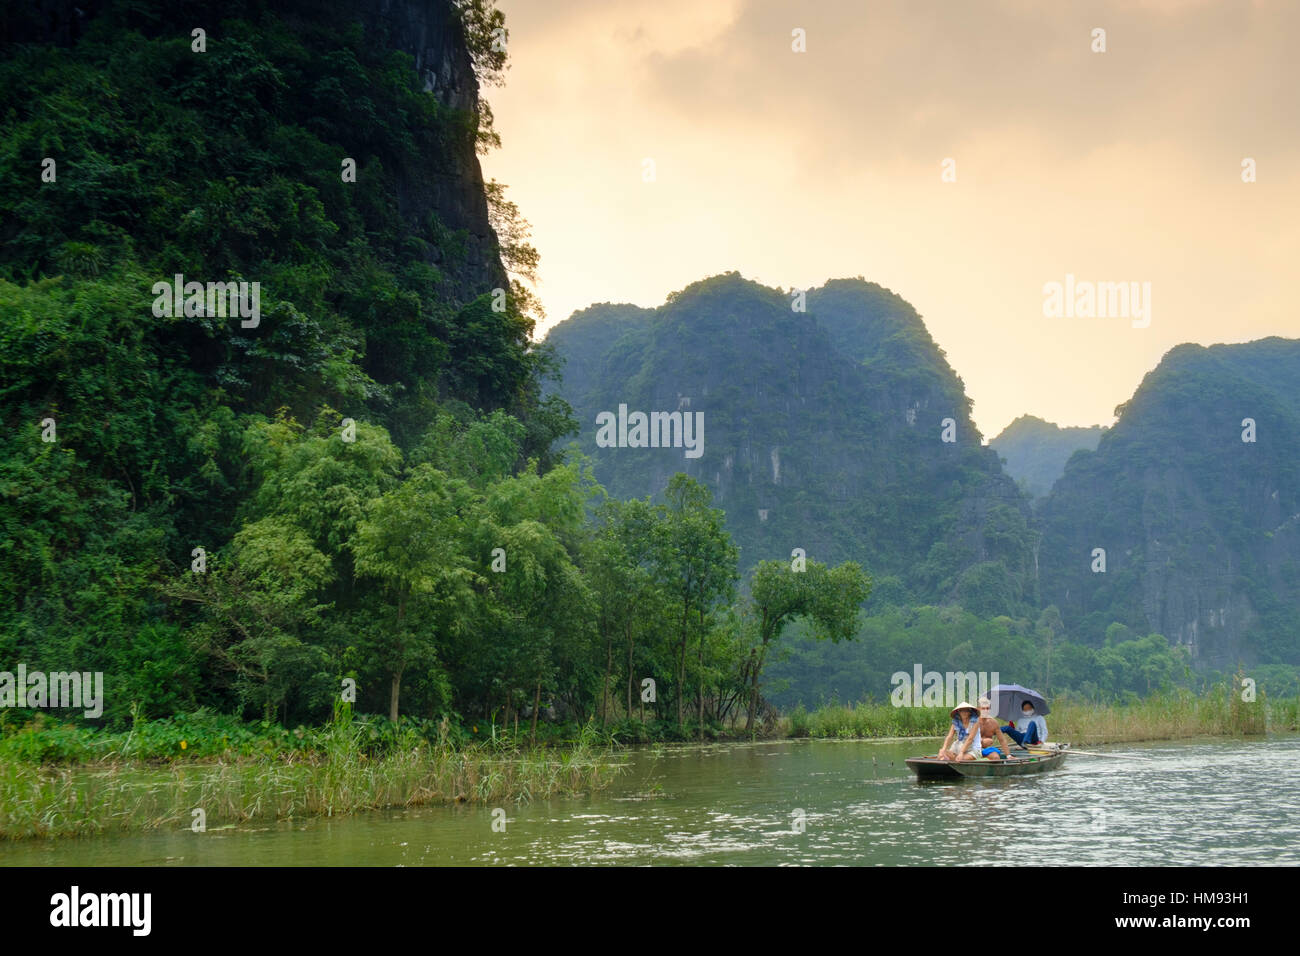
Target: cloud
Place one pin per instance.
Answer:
(906, 81)
(795, 167)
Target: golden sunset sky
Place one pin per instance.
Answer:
(793, 168)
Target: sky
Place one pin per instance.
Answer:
(963, 153)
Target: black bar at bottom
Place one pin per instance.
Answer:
(202, 907)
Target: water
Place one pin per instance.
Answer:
(1221, 802)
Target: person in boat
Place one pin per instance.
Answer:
(1032, 730)
(996, 745)
(963, 740)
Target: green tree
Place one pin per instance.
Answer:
(259, 607)
(411, 541)
(830, 599)
(695, 563)
(538, 603)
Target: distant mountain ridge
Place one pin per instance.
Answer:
(1035, 451)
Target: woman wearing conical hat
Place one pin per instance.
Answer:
(963, 740)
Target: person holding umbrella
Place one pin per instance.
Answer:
(1033, 729)
(1013, 699)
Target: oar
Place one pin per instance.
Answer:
(1090, 753)
(1087, 753)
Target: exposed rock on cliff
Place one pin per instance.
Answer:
(448, 180)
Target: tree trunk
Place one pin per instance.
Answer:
(752, 703)
(537, 703)
(1049, 660)
(604, 685)
(395, 692)
(758, 669)
(756, 661)
(699, 691)
(630, 677)
(681, 670)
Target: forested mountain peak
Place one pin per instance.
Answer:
(832, 423)
(1194, 497)
(864, 317)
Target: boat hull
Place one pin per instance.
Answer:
(931, 768)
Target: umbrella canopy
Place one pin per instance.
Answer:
(1007, 699)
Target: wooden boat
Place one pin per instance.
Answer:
(1033, 761)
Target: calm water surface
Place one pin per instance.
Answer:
(1229, 802)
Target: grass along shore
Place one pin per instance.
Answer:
(1162, 716)
(61, 780)
(340, 771)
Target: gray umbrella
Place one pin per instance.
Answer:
(1007, 699)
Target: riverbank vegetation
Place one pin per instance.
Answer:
(72, 782)
(1165, 715)
(59, 779)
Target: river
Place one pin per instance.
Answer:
(1204, 802)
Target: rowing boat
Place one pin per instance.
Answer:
(1033, 761)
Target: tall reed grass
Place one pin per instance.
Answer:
(41, 799)
(1162, 716)
(868, 720)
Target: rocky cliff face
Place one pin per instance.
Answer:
(823, 429)
(1194, 496)
(446, 182)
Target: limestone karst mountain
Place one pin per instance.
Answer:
(841, 430)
